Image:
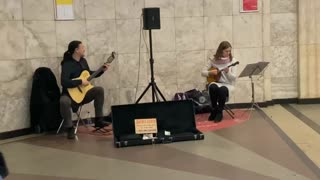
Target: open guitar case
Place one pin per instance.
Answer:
(175, 122)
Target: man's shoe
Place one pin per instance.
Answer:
(71, 133)
(100, 123)
(107, 119)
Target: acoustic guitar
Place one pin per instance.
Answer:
(78, 93)
(216, 78)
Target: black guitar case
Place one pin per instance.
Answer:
(175, 122)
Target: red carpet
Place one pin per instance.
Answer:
(202, 124)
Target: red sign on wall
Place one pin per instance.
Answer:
(249, 5)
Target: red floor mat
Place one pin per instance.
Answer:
(202, 123)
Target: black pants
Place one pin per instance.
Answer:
(218, 96)
(96, 94)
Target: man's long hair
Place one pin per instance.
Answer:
(73, 45)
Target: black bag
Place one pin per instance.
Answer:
(179, 97)
(3, 167)
(201, 100)
(44, 101)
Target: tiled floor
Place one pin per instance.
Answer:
(280, 142)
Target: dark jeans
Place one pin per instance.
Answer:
(218, 96)
(66, 104)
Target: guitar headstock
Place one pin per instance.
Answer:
(236, 63)
(111, 57)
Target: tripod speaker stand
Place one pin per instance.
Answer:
(151, 20)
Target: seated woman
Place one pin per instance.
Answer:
(222, 77)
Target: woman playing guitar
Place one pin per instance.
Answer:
(221, 74)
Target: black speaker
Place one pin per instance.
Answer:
(151, 18)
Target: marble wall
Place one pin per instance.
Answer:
(309, 49)
(284, 48)
(190, 29)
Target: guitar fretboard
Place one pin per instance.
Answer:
(109, 60)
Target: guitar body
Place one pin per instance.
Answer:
(214, 78)
(78, 93)
(217, 77)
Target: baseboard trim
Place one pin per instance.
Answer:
(309, 101)
(246, 105)
(286, 101)
(275, 101)
(26, 131)
(15, 133)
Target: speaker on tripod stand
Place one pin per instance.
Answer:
(151, 20)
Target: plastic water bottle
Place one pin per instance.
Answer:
(89, 119)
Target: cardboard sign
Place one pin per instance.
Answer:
(146, 126)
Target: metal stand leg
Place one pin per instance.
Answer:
(78, 120)
(253, 103)
(60, 126)
(229, 111)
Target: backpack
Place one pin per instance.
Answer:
(201, 100)
(44, 101)
(180, 96)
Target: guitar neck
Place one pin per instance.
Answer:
(233, 64)
(95, 73)
(109, 60)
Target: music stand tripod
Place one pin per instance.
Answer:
(253, 70)
(152, 83)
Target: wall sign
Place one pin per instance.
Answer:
(248, 5)
(64, 10)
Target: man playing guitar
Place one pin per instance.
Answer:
(72, 65)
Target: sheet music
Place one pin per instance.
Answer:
(253, 69)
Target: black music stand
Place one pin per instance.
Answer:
(253, 70)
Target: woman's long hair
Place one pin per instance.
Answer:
(222, 46)
(73, 45)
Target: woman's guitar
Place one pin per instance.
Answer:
(216, 78)
(78, 93)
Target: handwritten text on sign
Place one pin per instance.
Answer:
(146, 126)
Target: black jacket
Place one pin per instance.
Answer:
(71, 69)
